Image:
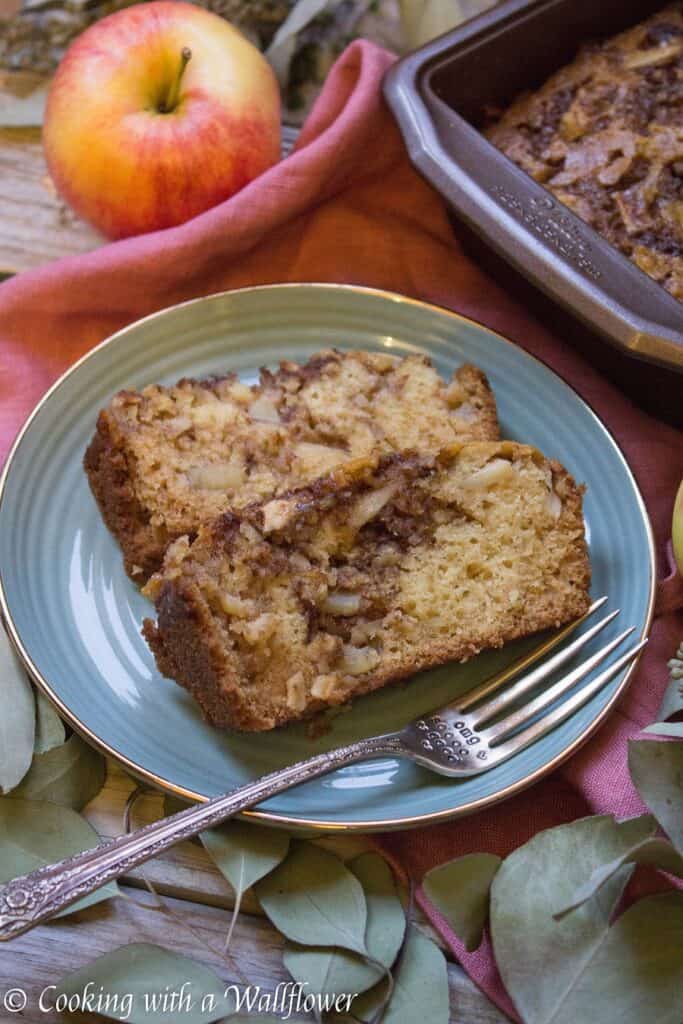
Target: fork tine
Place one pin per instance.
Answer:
(544, 670)
(549, 696)
(554, 718)
(495, 682)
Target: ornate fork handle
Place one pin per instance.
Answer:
(32, 898)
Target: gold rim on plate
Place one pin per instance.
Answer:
(283, 820)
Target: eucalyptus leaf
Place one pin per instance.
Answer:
(657, 853)
(370, 1006)
(333, 971)
(673, 729)
(283, 45)
(672, 702)
(386, 922)
(22, 100)
(425, 19)
(460, 892)
(17, 718)
(313, 899)
(136, 983)
(244, 853)
(329, 971)
(50, 732)
(531, 884)
(173, 804)
(636, 974)
(420, 987)
(34, 833)
(71, 774)
(657, 772)
(345, 845)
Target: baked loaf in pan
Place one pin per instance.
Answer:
(605, 136)
(166, 459)
(386, 566)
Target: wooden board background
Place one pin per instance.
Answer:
(199, 899)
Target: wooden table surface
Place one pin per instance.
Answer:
(36, 227)
(196, 893)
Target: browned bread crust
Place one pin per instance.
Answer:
(385, 567)
(108, 465)
(605, 136)
(166, 459)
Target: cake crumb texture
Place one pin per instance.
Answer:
(386, 566)
(164, 460)
(605, 136)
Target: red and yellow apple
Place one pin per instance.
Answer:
(157, 113)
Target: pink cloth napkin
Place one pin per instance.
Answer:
(347, 207)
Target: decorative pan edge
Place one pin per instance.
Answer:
(601, 286)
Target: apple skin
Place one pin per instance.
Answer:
(125, 166)
(677, 529)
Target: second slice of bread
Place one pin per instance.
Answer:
(384, 567)
(166, 459)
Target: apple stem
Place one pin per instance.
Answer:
(173, 95)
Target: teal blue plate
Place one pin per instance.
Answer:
(75, 617)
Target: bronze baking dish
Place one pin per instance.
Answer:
(439, 95)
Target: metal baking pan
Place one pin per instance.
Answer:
(439, 95)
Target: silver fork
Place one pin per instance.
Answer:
(462, 739)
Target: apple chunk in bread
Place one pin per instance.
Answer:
(166, 459)
(385, 567)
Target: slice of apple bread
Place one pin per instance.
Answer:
(386, 566)
(166, 459)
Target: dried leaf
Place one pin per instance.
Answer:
(313, 899)
(386, 921)
(137, 983)
(22, 99)
(328, 971)
(345, 845)
(425, 19)
(331, 971)
(173, 804)
(50, 732)
(636, 974)
(460, 892)
(657, 853)
(244, 853)
(34, 833)
(70, 775)
(657, 772)
(420, 987)
(17, 718)
(281, 49)
(674, 729)
(370, 1006)
(672, 702)
(530, 885)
